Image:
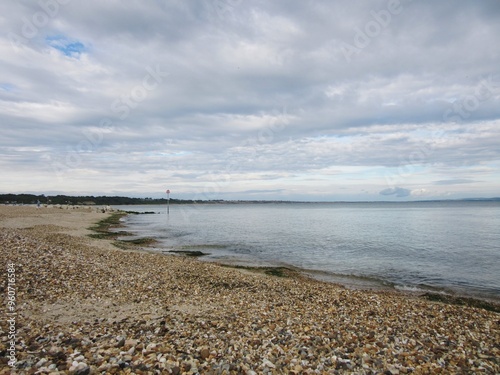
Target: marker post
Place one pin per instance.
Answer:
(168, 202)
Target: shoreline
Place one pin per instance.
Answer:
(85, 306)
(363, 283)
(355, 282)
(360, 283)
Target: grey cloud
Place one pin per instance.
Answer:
(230, 68)
(260, 191)
(456, 181)
(396, 191)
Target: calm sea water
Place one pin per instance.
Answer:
(445, 246)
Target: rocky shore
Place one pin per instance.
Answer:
(83, 306)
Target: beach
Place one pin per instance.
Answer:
(81, 305)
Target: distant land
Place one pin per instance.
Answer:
(91, 200)
(83, 200)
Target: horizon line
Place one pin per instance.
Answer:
(264, 200)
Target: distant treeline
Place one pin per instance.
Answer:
(88, 200)
(116, 200)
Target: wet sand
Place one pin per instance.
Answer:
(84, 306)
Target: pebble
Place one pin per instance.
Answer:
(41, 362)
(144, 313)
(204, 353)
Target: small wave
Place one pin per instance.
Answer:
(204, 246)
(420, 289)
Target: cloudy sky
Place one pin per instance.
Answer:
(232, 99)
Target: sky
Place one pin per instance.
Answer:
(270, 100)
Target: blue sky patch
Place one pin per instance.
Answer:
(6, 87)
(72, 48)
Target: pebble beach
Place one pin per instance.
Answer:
(84, 306)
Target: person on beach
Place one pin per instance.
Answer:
(38, 203)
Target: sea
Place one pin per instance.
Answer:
(450, 247)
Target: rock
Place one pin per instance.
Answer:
(123, 364)
(391, 370)
(141, 367)
(41, 362)
(54, 350)
(121, 342)
(204, 353)
(186, 366)
(79, 368)
(268, 363)
(82, 369)
(130, 342)
(103, 367)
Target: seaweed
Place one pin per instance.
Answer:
(462, 301)
(189, 253)
(271, 271)
(112, 221)
(103, 232)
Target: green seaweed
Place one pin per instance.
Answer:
(462, 301)
(103, 231)
(278, 271)
(141, 241)
(112, 221)
(271, 271)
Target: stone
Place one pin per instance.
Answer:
(53, 350)
(120, 342)
(82, 369)
(131, 342)
(204, 353)
(41, 362)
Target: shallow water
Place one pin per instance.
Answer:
(445, 246)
